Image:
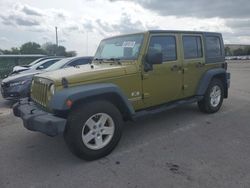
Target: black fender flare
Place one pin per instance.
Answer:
(208, 76)
(78, 93)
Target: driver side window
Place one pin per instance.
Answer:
(165, 45)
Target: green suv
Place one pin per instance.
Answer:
(131, 76)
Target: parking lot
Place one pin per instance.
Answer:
(178, 148)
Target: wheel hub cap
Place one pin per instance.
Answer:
(215, 96)
(98, 131)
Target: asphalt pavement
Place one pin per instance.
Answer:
(179, 148)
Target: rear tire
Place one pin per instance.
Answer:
(213, 97)
(93, 129)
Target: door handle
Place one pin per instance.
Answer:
(199, 65)
(175, 68)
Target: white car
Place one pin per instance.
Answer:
(21, 68)
(35, 66)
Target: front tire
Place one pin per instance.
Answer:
(213, 97)
(93, 129)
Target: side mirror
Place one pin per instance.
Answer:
(151, 59)
(40, 67)
(154, 58)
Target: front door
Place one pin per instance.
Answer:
(164, 82)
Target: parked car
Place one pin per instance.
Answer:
(20, 68)
(18, 86)
(131, 76)
(40, 65)
(70, 62)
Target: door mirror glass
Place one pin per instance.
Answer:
(154, 58)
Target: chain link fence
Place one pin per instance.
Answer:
(8, 62)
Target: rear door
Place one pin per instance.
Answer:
(193, 62)
(164, 82)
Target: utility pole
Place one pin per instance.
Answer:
(87, 45)
(56, 38)
(56, 42)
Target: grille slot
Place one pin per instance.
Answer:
(40, 91)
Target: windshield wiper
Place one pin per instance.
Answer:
(98, 59)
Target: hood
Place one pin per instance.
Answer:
(89, 72)
(20, 76)
(20, 68)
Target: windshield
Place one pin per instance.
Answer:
(58, 64)
(34, 62)
(122, 47)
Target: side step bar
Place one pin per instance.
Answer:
(167, 106)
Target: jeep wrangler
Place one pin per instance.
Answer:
(131, 76)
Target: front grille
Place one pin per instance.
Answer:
(5, 85)
(40, 90)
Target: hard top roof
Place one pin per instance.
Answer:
(180, 31)
(166, 31)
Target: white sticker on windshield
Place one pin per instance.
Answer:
(128, 44)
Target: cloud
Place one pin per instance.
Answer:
(24, 22)
(18, 20)
(37, 20)
(88, 25)
(230, 17)
(21, 15)
(57, 13)
(127, 25)
(4, 39)
(238, 23)
(91, 20)
(124, 25)
(31, 11)
(197, 8)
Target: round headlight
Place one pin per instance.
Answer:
(52, 89)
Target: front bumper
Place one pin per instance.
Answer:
(35, 119)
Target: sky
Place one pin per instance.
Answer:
(82, 24)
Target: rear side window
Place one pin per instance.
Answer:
(165, 45)
(213, 45)
(192, 47)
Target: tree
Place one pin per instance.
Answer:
(15, 50)
(31, 48)
(247, 50)
(239, 52)
(71, 54)
(35, 48)
(52, 49)
(228, 51)
(61, 51)
(49, 48)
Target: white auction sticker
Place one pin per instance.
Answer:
(128, 44)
